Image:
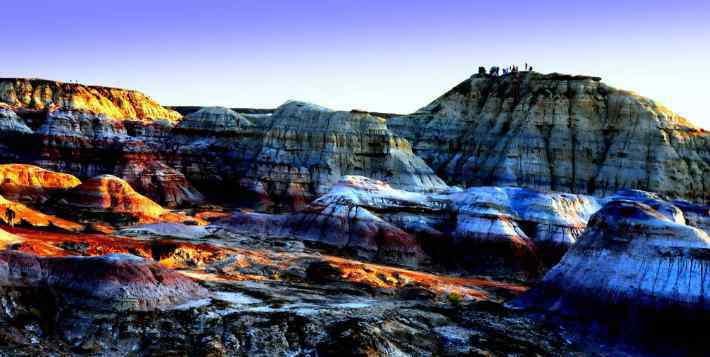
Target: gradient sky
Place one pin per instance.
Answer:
(390, 56)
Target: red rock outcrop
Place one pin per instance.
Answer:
(159, 181)
(110, 194)
(40, 94)
(23, 215)
(29, 183)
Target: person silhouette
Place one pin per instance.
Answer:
(10, 216)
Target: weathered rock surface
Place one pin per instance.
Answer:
(637, 268)
(160, 182)
(30, 183)
(11, 122)
(39, 94)
(112, 282)
(23, 215)
(558, 133)
(214, 120)
(482, 228)
(107, 194)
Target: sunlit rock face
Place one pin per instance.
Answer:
(110, 194)
(638, 267)
(114, 282)
(558, 133)
(38, 94)
(29, 183)
(8, 239)
(483, 229)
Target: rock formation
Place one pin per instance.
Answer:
(39, 94)
(160, 182)
(215, 120)
(107, 194)
(637, 268)
(23, 215)
(288, 158)
(558, 133)
(484, 229)
(112, 282)
(11, 123)
(28, 183)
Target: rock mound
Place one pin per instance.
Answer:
(482, 229)
(214, 120)
(637, 268)
(39, 94)
(160, 182)
(114, 282)
(19, 182)
(113, 199)
(558, 133)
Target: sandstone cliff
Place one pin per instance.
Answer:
(39, 94)
(558, 133)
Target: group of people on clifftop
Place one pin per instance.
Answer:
(495, 71)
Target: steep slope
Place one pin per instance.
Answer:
(558, 133)
(40, 94)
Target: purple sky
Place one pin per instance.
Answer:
(380, 55)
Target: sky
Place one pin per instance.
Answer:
(387, 56)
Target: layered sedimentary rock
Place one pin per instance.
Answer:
(38, 94)
(108, 194)
(29, 183)
(638, 267)
(277, 159)
(160, 182)
(485, 229)
(10, 122)
(114, 282)
(558, 133)
(291, 156)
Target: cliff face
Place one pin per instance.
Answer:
(558, 133)
(38, 94)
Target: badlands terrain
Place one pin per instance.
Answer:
(516, 215)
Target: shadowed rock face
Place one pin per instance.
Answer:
(112, 282)
(38, 94)
(558, 133)
(637, 268)
(214, 120)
